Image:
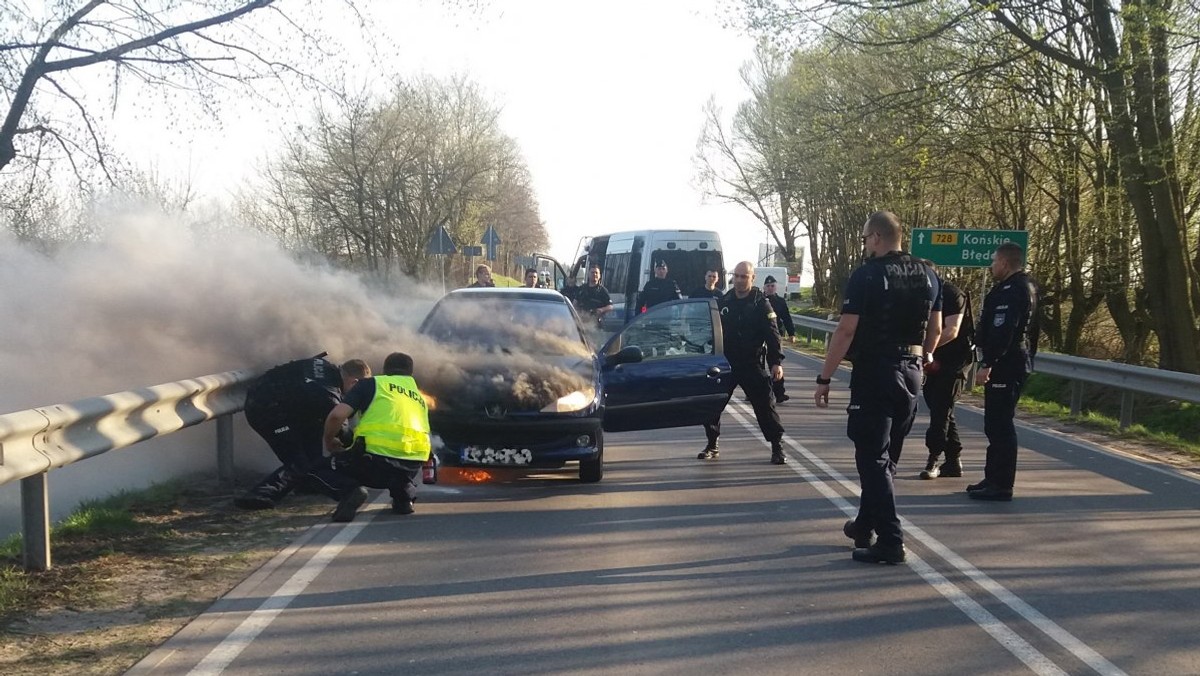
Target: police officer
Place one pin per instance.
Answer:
(783, 320)
(944, 380)
(593, 301)
(287, 406)
(658, 288)
(891, 318)
(391, 440)
(748, 327)
(1007, 337)
(709, 290)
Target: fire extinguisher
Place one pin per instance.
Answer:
(429, 470)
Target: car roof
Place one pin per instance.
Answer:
(510, 292)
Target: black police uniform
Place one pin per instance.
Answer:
(783, 320)
(892, 296)
(705, 292)
(590, 298)
(944, 380)
(659, 291)
(1007, 337)
(287, 407)
(750, 337)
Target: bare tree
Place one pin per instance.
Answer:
(369, 182)
(52, 53)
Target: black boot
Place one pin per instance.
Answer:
(952, 467)
(931, 466)
(711, 452)
(777, 457)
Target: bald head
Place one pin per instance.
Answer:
(743, 278)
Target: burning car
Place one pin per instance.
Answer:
(516, 381)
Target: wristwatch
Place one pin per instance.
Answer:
(823, 381)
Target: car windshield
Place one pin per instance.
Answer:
(510, 325)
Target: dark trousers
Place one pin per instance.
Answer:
(999, 409)
(942, 389)
(883, 405)
(399, 477)
(757, 385)
(293, 425)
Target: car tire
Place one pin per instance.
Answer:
(592, 471)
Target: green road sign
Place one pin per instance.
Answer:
(963, 248)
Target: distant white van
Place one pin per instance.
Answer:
(626, 261)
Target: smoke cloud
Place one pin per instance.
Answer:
(152, 301)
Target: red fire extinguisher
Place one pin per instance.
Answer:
(429, 470)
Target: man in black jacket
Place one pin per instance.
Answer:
(891, 320)
(750, 337)
(287, 407)
(945, 377)
(1007, 336)
(709, 290)
(783, 320)
(659, 289)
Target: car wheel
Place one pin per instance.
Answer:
(591, 471)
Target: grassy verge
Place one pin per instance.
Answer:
(1173, 425)
(130, 570)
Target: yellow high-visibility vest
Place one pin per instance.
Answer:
(396, 424)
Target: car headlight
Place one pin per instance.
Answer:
(575, 401)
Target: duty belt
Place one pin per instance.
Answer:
(898, 351)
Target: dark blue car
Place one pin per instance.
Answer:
(523, 384)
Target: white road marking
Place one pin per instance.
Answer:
(220, 657)
(1016, 645)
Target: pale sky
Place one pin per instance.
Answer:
(604, 99)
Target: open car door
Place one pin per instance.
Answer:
(666, 368)
(553, 269)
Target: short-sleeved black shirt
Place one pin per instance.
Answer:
(588, 298)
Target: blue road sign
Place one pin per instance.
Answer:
(491, 240)
(440, 242)
(472, 251)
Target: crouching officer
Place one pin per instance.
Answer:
(287, 407)
(748, 327)
(391, 441)
(891, 319)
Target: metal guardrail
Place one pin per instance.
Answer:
(37, 440)
(1127, 378)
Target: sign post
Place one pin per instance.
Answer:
(963, 248)
(439, 245)
(491, 240)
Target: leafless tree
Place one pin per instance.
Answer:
(58, 56)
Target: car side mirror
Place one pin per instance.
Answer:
(631, 354)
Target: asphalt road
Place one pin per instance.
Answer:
(672, 565)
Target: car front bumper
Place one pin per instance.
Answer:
(532, 442)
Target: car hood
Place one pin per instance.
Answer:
(495, 382)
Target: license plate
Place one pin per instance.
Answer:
(496, 456)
